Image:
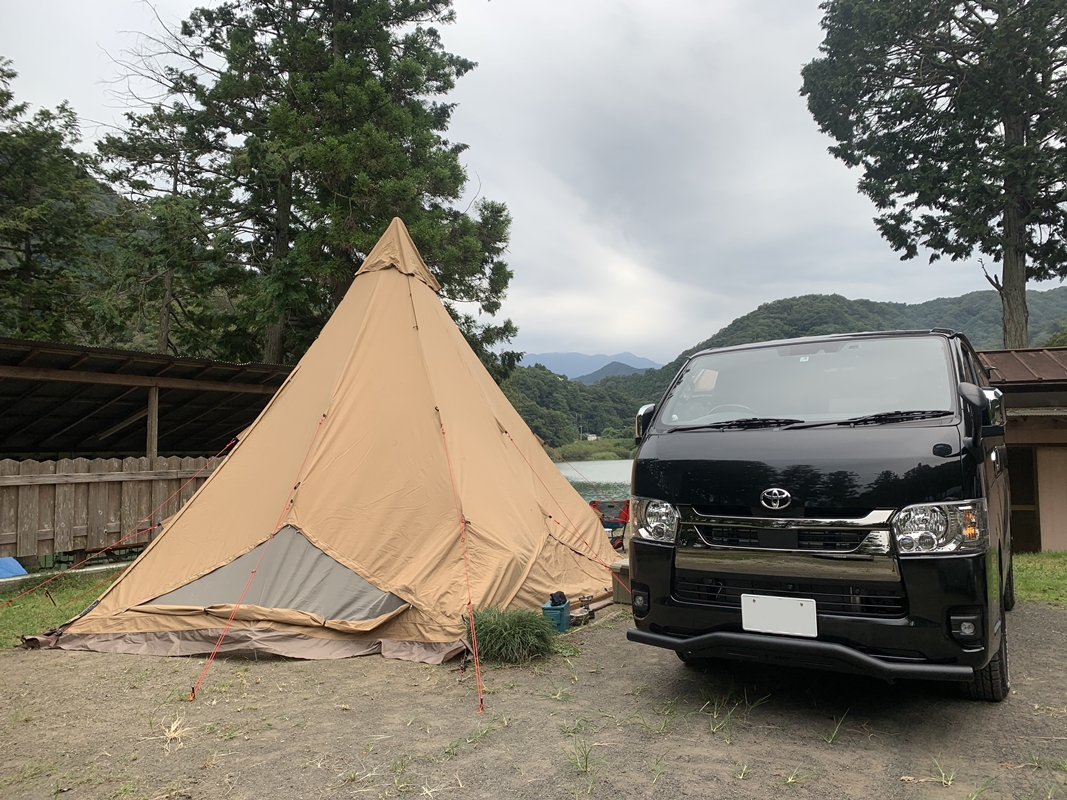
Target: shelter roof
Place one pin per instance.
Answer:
(1034, 365)
(86, 401)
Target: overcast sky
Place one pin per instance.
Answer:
(662, 170)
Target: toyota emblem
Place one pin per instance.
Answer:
(775, 498)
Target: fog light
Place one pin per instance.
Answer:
(639, 600)
(965, 625)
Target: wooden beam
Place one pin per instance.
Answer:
(103, 477)
(152, 444)
(119, 426)
(73, 376)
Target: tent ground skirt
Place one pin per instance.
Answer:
(259, 640)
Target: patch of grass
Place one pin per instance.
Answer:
(36, 613)
(656, 768)
(794, 777)
(401, 782)
(832, 736)
(580, 725)
(559, 693)
(946, 778)
(516, 636)
(1041, 577)
(581, 757)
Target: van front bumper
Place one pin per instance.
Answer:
(807, 653)
(914, 639)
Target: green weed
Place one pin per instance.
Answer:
(838, 721)
(516, 636)
(36, 613)
(946, 778)
(1042, 577)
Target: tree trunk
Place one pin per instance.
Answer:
(274, 340)
(1013, 281)
(164, 312)
(25, 274)
(273, 343)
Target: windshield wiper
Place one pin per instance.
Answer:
(882, 418)
(740, 424)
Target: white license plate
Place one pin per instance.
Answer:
(787, 615)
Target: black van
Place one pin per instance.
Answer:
(834, 502)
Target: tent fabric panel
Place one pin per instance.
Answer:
(558, 570)
(396, 250)
(260, 640)
(387, 477)
(242, 499)
(293, 574)
(502, 472)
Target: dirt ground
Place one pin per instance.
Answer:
(613, 720)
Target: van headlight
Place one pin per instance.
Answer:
(960, 527)
(654, 519)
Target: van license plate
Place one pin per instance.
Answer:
(787, 615)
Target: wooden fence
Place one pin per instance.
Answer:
(78, 504)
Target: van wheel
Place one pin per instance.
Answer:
(692, 661)
(992, 681)
(1009, 587)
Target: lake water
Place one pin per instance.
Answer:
(599, 480)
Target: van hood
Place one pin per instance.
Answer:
(828, 472)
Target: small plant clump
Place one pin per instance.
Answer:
(516, 636)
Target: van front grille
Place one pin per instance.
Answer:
(807, 539)
(848, 599)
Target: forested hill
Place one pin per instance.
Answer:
(555, 407)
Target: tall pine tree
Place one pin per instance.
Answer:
(325, 121)
(957, 114)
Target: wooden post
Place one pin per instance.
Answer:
(153, 422)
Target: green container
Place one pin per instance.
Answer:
(560, 615)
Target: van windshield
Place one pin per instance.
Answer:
(813, 382)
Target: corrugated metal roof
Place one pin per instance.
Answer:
(62, 398)
(1029, 365)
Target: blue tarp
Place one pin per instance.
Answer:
(9, 568)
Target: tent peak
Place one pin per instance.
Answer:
(396, 250)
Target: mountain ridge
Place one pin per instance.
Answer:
(573, 365)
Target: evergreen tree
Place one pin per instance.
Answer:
(48, 227)
(957, 113)
(176, 282)
(324, 123)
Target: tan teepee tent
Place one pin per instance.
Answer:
(396, 439)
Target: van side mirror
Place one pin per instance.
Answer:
(643, 420)
(973, 396)
(994, 416)
(977, 403)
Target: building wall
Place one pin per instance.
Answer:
(1052, 496)
(1039, 490)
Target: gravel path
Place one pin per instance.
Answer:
(615, 720)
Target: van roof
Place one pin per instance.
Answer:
(947, 333)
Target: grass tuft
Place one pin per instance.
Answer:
(38, 612)
(1041, 577)
(517, 636)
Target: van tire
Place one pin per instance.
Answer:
(693, 661)
(1009, 587)
(992, 682)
